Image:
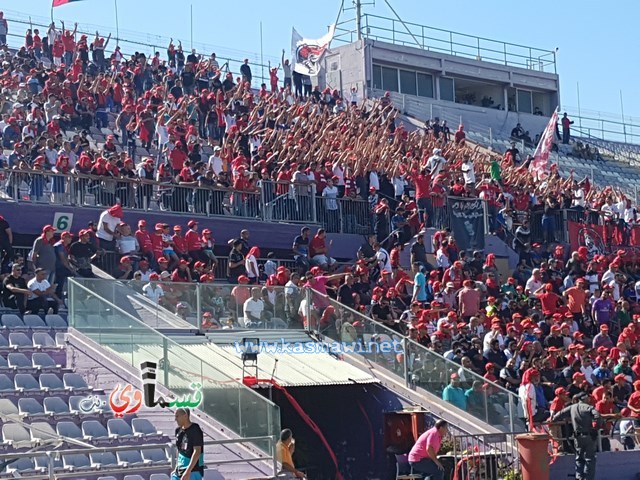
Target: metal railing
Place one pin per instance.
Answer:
(446, 41)
(269, 201)
(132, 41)
(483, 456)
(227, 400)
(346, 215)
(419, 366)
(51, 472)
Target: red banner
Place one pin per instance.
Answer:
(58, 3)
(603, 239)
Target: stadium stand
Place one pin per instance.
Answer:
(126, 135)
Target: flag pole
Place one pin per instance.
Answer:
(51, 11)
(115, 4)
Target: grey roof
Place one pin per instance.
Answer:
(292, 370)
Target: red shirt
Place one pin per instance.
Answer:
(436, 200)
(557, 404)
(316, 244)
(144, 240)
(69, 43)
(193, 242)
(634, 401)
(598, 393)
(423, 186)
(177, 158)
(156, 245)
(179, 244)
(549, 302)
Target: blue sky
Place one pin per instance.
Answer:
(597, 45)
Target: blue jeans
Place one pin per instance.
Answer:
(429, 467)
(192, 476)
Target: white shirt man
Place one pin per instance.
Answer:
(578, 198)
(399, 183)
(384, 260)
(436, 162)
(111, 221)
(330, 193)
(252, 309)
(34, 285)
(532, 285)
(468, 173)
(442, 260)
(153, 293)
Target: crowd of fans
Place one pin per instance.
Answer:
(562, 321)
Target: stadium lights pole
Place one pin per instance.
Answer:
(261, 50)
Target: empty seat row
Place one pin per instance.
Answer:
(39, 360)
(11, 320)
(47, 382)
(103, 460)
(37, 341)
(117, 431)
(57, 407)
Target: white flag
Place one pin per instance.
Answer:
(308, 53)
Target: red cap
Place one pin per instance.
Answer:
(142, 223)
(243, 279)
(192, 223)
(578, 335)
(578, 375)
(163, 260)
(125, 260)
(619, 377)
(65, 235)
(154, 276)
(177, 228)
(604, 326)
(560, 391)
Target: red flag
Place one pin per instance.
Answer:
(57, 3)
(540, 162)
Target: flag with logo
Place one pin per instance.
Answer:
(308, 53)
(58, 3)
(539, 164)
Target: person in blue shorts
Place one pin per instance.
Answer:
(190, 443)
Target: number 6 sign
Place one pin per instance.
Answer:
(62, 221)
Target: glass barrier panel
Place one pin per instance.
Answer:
(234, 405)
(387, 346)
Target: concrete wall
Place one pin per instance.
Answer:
(350, 65)
(452, 65)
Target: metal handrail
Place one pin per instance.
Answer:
(150, 41)
(529, 57)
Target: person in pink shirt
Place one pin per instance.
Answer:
(423, 456)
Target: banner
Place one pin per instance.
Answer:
(308, 53)
(467, 222)
(539, 164)
(604, 239)
(58, 3)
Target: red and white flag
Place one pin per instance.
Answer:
(539, 164)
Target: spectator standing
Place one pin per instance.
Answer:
(82, 253)
(566, 128)
(107, 227)
(245, 70)
(43, 254)
(4, 29)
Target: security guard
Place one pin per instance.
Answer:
(583, 416)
